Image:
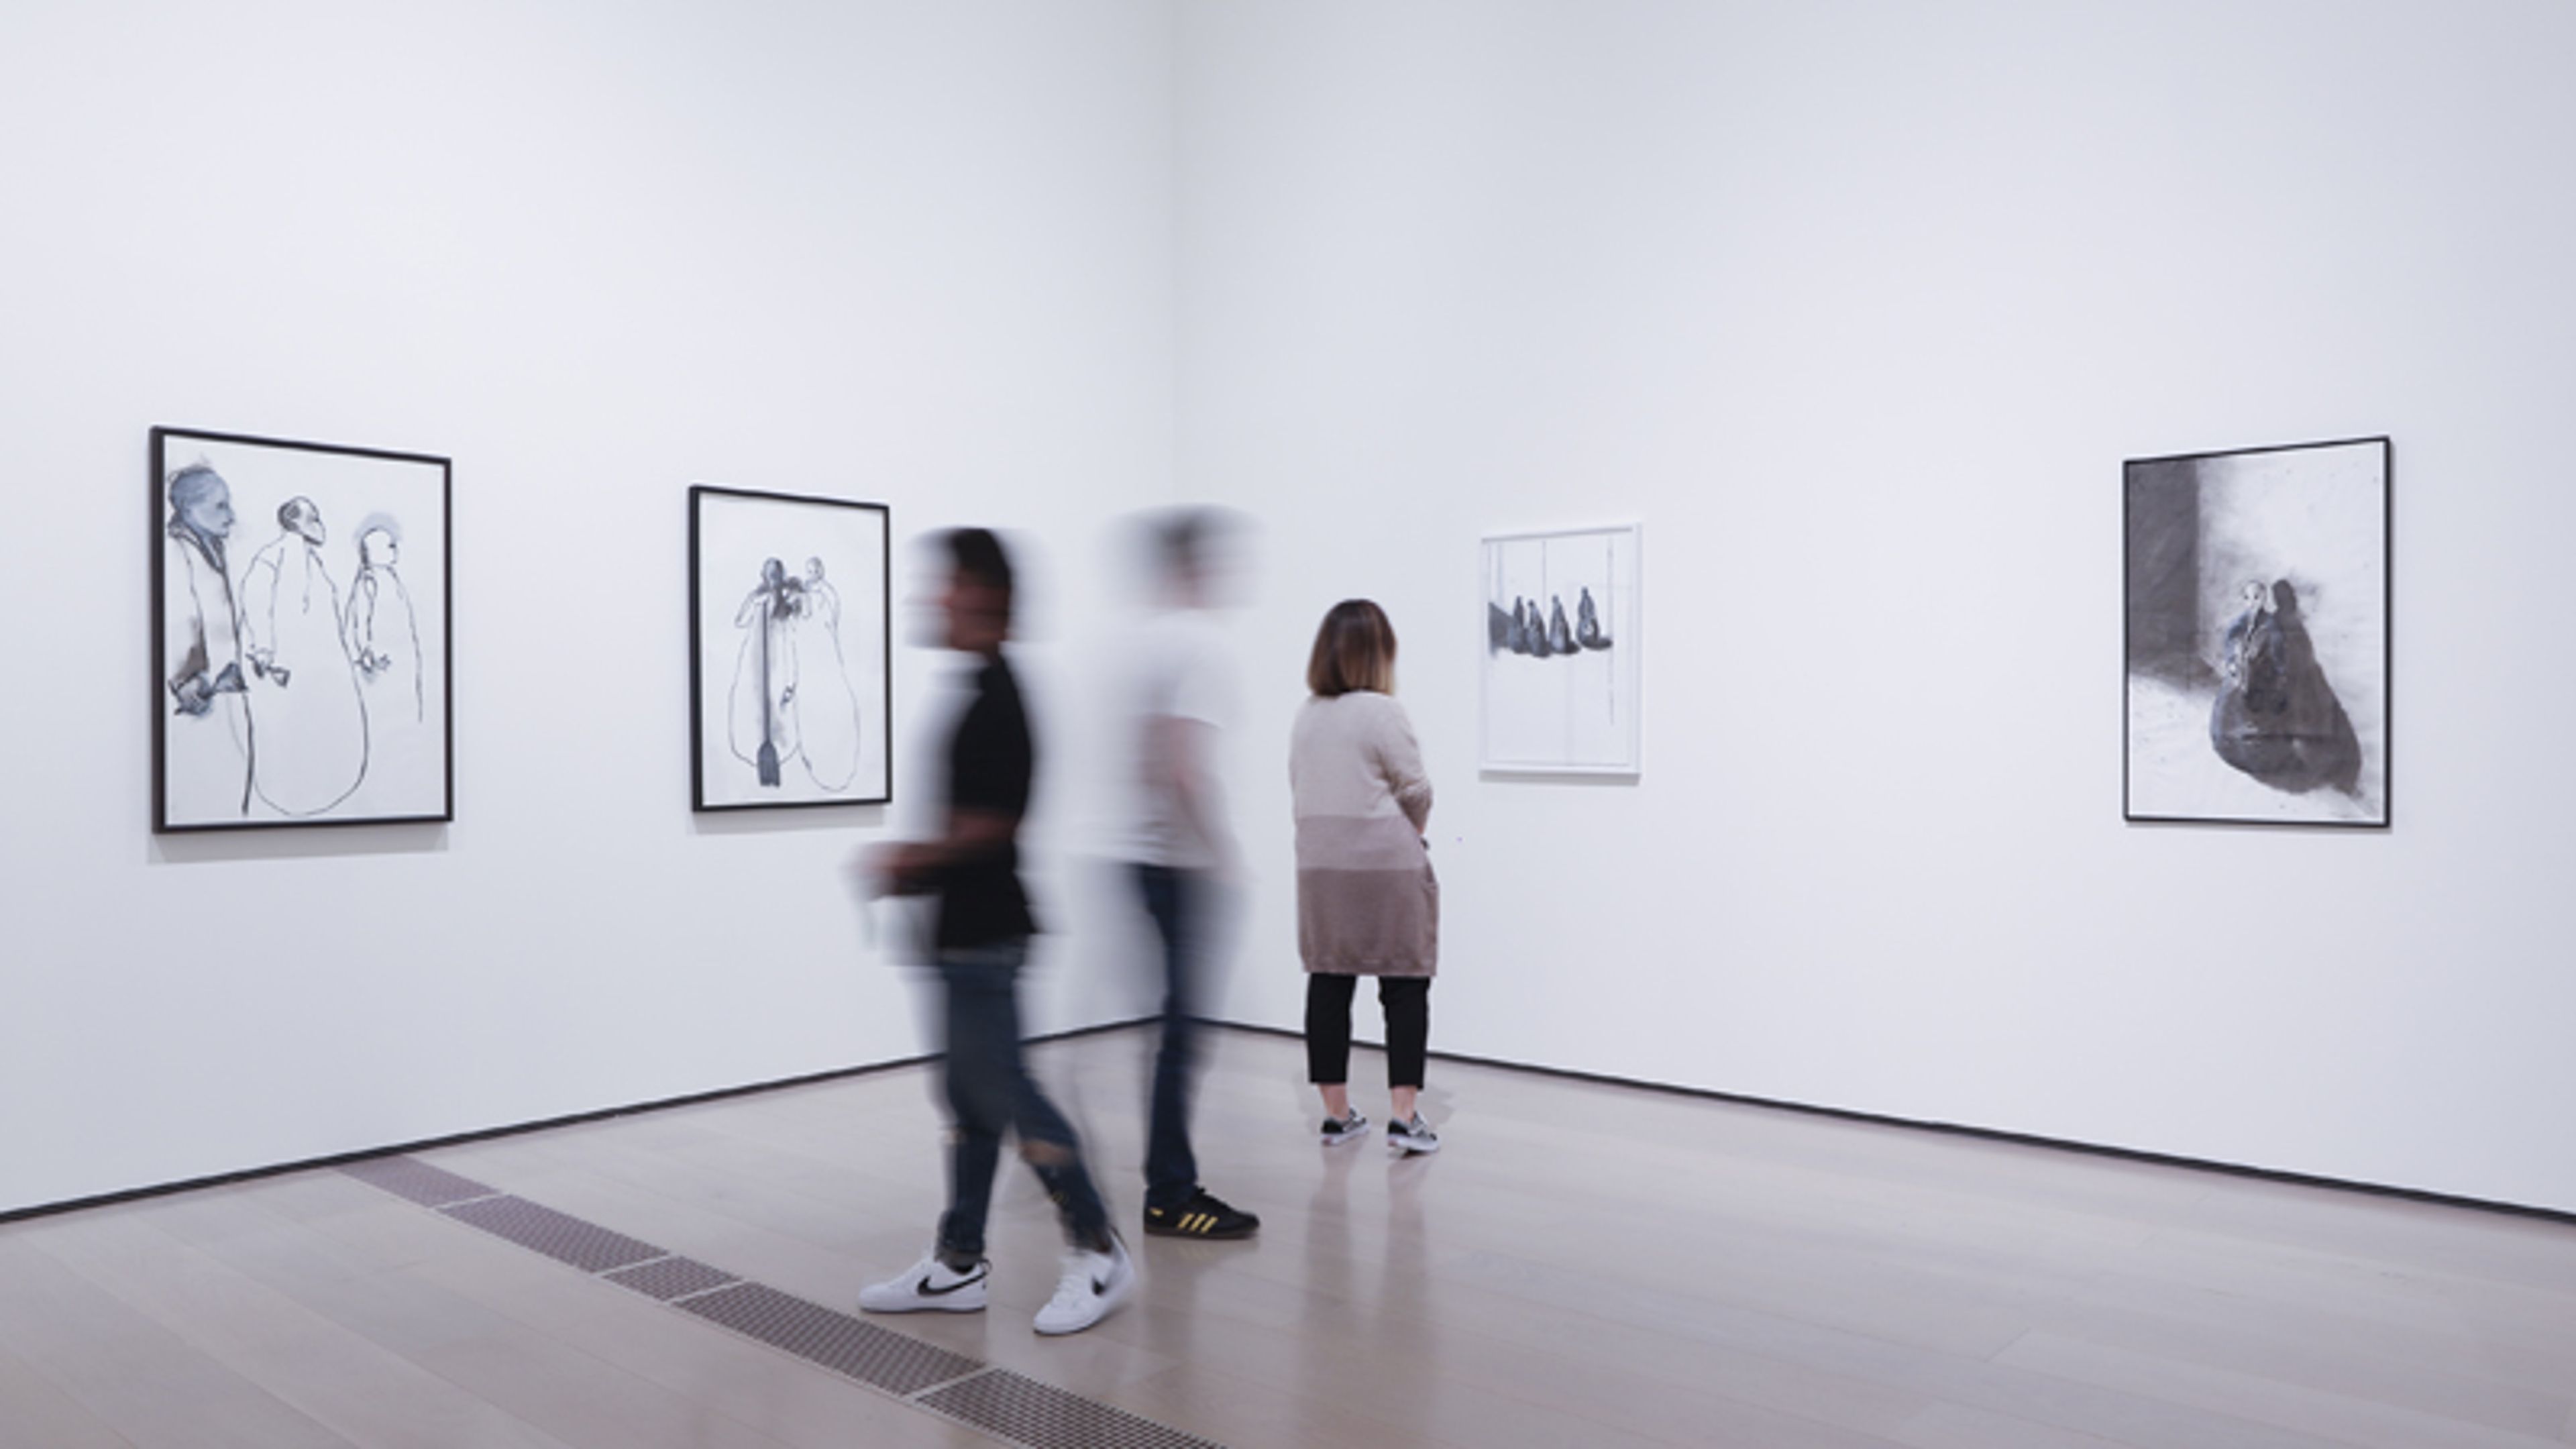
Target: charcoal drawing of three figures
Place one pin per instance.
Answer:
(792, 697)
(277, 657)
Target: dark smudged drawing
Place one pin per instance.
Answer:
(1544, 633)
(2277, 718)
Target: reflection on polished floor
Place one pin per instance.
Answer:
(1582, 1265)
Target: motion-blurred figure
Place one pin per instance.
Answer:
(1179, 847)
(979, 944)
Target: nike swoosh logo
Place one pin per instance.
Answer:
(926, 1291)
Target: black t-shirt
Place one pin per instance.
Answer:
(991, 761)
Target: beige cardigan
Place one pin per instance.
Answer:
(1367, 903)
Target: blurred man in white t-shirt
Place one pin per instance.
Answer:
(1178, 842)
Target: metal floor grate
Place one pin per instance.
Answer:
(559, 1236)
(669, 1278)
(1046, 1417)
(411, 1178)
(863, 1351)
(997, 1401)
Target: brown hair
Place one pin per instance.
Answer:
(1355, 649)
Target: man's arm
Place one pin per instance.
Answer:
(1179, 751)
(914, 866)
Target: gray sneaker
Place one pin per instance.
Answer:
(1404, 1139)
(1338, 1130)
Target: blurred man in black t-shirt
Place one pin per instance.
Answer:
(980, 943)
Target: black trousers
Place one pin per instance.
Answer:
(1406, 1001)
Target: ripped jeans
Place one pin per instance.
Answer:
(990, 1092)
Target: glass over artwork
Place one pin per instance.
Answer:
(300, 644)
(789, 650)
(2257, 615)
(1560, 643)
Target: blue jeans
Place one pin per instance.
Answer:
(990, 1092)
(1177, 900)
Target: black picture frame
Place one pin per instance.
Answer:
(315, 648)
(820, 734)
(2258, 610)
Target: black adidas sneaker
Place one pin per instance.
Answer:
(1205, 1215)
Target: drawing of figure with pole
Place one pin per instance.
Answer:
(762, 726)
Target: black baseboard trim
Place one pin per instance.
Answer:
(1954, 1129)
(1986, 1134)
(488, 1134)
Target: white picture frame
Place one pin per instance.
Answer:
(1562, 638)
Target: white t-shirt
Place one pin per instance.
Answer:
(1178, 668)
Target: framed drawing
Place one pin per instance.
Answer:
(791, 698)
(300, 642)
(2257, 614)
(1561, 652)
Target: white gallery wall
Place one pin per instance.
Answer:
(919, 254)
(1858, 308)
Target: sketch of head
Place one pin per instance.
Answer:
(2257, 595)
(2285, 599)
(813, 571)
(300, 517)
(201, 499)
(378, 548)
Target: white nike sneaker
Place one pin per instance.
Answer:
(1093, 1283)
(929, 1286)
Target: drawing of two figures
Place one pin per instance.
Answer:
(792, 696)
(270, 672)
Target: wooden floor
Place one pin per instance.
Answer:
(1583, 1265)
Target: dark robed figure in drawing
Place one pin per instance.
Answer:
(762, 728)
(207, 689)
(2276, 718)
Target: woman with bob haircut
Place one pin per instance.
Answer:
(1367, 903)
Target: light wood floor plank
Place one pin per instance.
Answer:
(2251, 1396)
(131, 1373)
(337, 1378)
(36, 1415)
(577, 1398)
